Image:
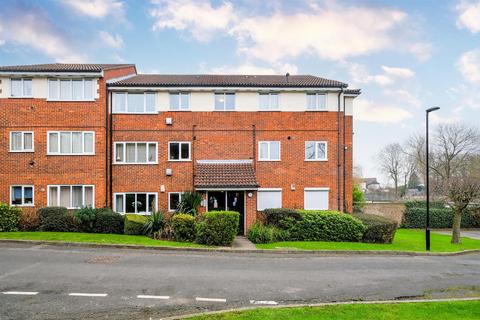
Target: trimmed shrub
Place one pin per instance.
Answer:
(9, 217)
(378, 229)
(276, 217)
(133, 224)
(108, 221)
(218, 228)
(259, 233)
(85, 218)
(183, 227)
(326, 226)
(423, 204)
(56, 219)
(439, 218)
(29, 220)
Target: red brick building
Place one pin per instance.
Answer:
(101, 135)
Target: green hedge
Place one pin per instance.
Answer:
(259, 233)
(183, 226)
(423, 204)
(108, 221)
(325, 226)
(275, 217)
(9, 217)
(218, 228)
(378, 229)
(439, 218)
(56, 219)
(134, 224)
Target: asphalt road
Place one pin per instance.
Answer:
(46, 282)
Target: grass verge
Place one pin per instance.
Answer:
(405, 240)
(465, 310)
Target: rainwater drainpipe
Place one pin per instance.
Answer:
(339, 151)
(344, 156)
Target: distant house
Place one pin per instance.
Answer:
(369, 184)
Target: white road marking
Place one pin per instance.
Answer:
(142, 296)
(211, 299)
(272, 303)
(23, 293)
(88, 294)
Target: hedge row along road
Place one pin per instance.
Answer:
(86, 283)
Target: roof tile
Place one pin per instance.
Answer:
(63, 67)
(225, 175)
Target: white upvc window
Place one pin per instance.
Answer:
(21, 88)
(21, 141)
(179, 101)
(71, 89)
(22, 195)
(269, 198)
(269, 151)
(315, 151)
(71, 196)
(174, 199)
(316, 198)
(224, 101)
(268, 101)
(179, 151)
(135, 202)
(71, 143)
(134, 102)
(316, 101)
(135, 153)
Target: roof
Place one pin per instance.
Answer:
(225, 174)
(369, 181)
(64, 67)
(222, 80)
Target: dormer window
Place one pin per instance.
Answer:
(179, 101)
(21, 88)
(268, 101)
(224, 101)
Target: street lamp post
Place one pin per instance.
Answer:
(427, 182)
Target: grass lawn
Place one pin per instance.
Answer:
(95, 238)
(465, 310)
(405, 240)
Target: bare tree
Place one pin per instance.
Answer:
(390, 161)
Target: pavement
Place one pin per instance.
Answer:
(49, 282)
(242, 243)
(473, 234)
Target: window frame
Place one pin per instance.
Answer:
(124, 195)
(58, 80)
(23, 186)
(316, 94)
(180, 151)
(316, 142)
(22, 85)
(180, 194)
(124, 143)
(224, 109)
(269, 107)
(58, 186)
(59, 153)
(269, 159)
(126, 93)
(180, 94)
(259, 190)
(314, 189)
(23, 141)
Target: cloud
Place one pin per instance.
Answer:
(390, 75)
(367, 111)
(249, 68)
(404, 96)
(468, 15)
(403, 73)
(469, 66)
(438, 119)
(114, 41)
(34, 29)
(199, 18)
(98, 9)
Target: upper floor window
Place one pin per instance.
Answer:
(71, 142)
(135, 152)
(315, 151)
(269, 151)
(179, 151)
(21, 196)
(126, 102)
(71, 196)
(21, 88)
(179, 101)
(316, 101)
(21, 141)
(224, 101)
(135, 202)
(71, 89)
(268, 101)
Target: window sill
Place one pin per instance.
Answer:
(134, 163)
(70, 154)
(23, 205)
(21, 151)
(322, 110)
(186, 160)
(136, 113)
(263, 160)
(58, 100)
(316, 160)
(29, 97)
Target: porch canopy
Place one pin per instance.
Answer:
(225, 175)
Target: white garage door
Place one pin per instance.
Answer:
(316, 198)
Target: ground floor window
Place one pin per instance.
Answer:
(71, 196)
(269, 198)
(21, 196)
(316, 198)
(135, 202)
(174, 199)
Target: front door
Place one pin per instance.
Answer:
(228, 200)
